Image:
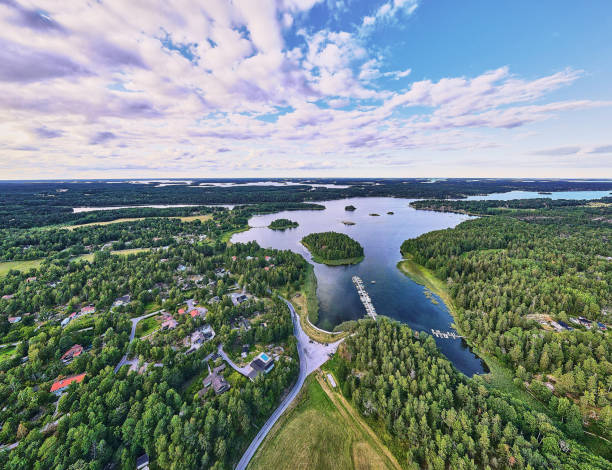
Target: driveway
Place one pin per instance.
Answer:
(312, 356)
(135, 321)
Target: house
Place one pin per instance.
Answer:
(123, 300)
(31, 279)
(65, 321)
(88, 309)
(601, 326)
(12, 320)
(181, 267)
(75, 351)
(215, 300)
(8, 296)
(220, 385)
(142, 462)
(181, 311)
(245, 351)
(261, 364)
(237, 299)
(233, 258)
(267, 258)
(60, 385)
(169, 323)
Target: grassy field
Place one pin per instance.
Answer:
(190, 218)
(322, 431)
(6, 266)
(6, 353)
(225, 238)
(130, 251)
(146, 326)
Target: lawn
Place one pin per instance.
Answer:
(190, 218)
(319, 431)
(146, 326)
(6, 353)
(6, 266)
(130, 251)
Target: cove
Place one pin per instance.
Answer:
(393, 294)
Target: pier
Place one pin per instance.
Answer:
(365, 298)
(445, 334)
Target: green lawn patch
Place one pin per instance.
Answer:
(146, 326)
(6, 266)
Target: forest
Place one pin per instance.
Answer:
(28, 204)
(282, 224)
(333, 248)
(436, 417)
(532, 288)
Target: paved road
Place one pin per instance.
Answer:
(312, 356)
(135, 321)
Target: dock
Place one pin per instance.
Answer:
(364, 297)
(445, 334)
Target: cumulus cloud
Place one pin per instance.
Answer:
(203, 84)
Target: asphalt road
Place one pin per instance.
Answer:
(312, 356)
(135, 321)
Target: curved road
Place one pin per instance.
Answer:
(134, 321)
(312, 356)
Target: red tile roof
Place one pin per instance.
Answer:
(181, 311)
(63, 383)
(194, 313)
(74, 351)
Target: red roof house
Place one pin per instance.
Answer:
(181, 311)
(60, 385)
(73, 352)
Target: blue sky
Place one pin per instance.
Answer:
(268, 88)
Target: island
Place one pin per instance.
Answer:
(390, 212)
(350, 208)
(348, 222)
(282, 224)
(333, 248)
(374, 214)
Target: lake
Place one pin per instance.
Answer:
(393, 294)
(573, 195)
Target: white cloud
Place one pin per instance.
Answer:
(105, 85)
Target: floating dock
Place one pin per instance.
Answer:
(365, 298)
(445, 334)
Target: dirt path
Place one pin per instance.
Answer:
(346, 409)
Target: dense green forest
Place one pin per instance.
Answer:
(27, 204)
(282, 224)
(333, 248)
(439, 419)
(532, 287)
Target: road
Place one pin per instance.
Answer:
(312, 356)
(241, 370)
(135, 321)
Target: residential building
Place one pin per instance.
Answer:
(220, 385)
(142, 462)
(75, 351)
(60, 385)
(14, 319)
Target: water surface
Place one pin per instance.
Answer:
(393, 294)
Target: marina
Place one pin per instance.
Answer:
(364, 297)
(445, 334)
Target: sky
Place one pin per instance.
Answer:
(305, 88)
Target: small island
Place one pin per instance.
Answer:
(282, 224)
(348, 222)
(374, 214)
(390, 212)
(350, 208)
(333, 248)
